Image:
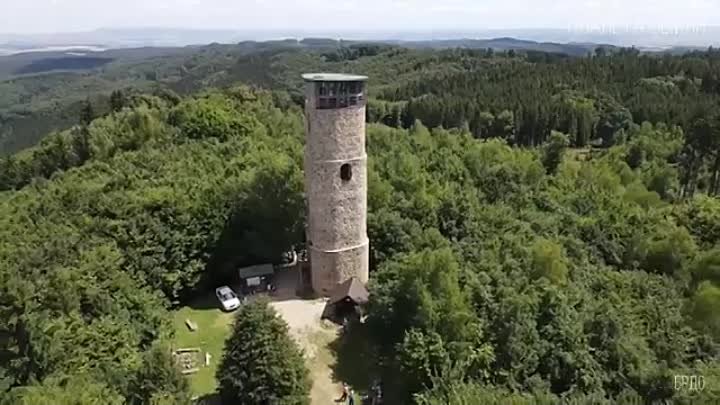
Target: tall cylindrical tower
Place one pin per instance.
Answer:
(336, 179)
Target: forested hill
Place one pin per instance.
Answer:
(527, 90)
(500, 274)
(542, 226)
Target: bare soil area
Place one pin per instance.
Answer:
(315, 337)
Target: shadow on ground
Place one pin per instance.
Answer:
(209, 399)
(355, 361)
(358, 364)
(205, 302)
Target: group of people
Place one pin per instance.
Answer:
(348, 395)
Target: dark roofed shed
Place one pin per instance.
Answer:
(352, 289)
(345, 299)
(259, 270)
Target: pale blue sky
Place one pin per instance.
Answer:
(29, 16)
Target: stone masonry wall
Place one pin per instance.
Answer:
(337, 208)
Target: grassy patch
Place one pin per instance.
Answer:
(213, 327)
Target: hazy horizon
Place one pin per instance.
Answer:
(67, 16)
(608, 29)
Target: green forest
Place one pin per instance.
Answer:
(542, 227)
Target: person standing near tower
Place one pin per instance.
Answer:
(336, 179)
(348, 395)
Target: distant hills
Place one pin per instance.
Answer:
(44, 86)
(31, 55)
(77, 59)
(108, 38)
(505, 44)
(118, 38)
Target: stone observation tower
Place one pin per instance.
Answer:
(336, 179)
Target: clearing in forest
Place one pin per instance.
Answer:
(314, 336)
(213, 328)
(330, 357)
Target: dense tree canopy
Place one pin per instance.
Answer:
(569, 282)
(532, 237)
(92, 256)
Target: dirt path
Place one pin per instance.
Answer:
(314, 336)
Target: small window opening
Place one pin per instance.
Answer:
(346, 172)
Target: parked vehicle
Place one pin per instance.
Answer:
(227, 297)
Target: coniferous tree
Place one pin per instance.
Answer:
(554, 150)
(262, 365)
(117, 100)
(87, 112)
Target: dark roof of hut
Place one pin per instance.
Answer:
(353, 289)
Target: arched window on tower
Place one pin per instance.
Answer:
(346, 172)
